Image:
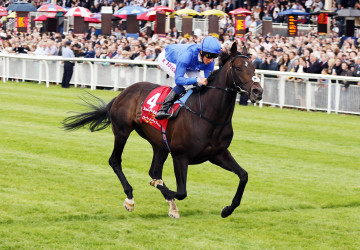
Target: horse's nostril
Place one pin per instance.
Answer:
(256, 92)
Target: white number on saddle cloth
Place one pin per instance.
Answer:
(152, 101)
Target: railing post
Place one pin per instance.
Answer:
(337, 96)
(58, 77)
(46, 73)
(281, 93)
(40, 71)
(262, 85)
(92, 81)
(7, 68)
(329, 97)
(23, 71)
(117, 73)
(93, 86)
(76, 67)
(308, 95)
(4, 69)
(145, 72)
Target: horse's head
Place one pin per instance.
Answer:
(242, 72)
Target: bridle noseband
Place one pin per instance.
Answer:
(239, 87)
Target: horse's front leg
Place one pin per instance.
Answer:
(226, 161)
(159, 157)
(155, 172)
(180, 169)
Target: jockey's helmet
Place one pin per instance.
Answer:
(210, 47)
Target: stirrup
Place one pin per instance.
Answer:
(162, 115)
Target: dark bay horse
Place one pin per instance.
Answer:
(201, 132)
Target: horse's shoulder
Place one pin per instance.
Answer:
(143, 86)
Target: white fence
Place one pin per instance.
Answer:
(304, 93)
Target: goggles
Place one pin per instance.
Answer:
(210, 55)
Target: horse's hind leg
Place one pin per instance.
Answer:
(121, 136)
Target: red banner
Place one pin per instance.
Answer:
(323, 18)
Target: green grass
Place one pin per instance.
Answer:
(57, 190)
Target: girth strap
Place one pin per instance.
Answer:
(205, 118)
(163, 133)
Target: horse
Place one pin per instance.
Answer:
(201, 132)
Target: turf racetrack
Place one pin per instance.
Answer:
(58, 191)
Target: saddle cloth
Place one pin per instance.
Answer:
(153, 103)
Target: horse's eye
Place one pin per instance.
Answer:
(238, 68)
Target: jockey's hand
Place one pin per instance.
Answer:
(202, 81)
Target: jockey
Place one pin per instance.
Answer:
(183, 62)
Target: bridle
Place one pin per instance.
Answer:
(238, 88)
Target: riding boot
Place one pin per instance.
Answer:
(163, 113)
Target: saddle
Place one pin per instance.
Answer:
(153, 102)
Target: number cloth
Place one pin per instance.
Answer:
(152, 105)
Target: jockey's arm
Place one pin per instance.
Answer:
(179, 75)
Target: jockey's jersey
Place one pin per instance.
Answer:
(186, 58)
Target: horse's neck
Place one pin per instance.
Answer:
(220, 103)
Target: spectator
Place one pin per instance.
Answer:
(314, 65)
(51, 49)
(302, 67)
(141, 56)
(68, 65)
(331, 64)
(253, 25)
(255, 60)
(112, 51)
(324, 71)
(285, 60)
(269, 64)
(292, 58)
(40, 49)
(337, 67)
(117, 33)
(149, 55)
(346, 72)
(324, 61)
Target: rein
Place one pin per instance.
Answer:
(237, 89)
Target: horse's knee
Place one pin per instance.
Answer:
(111, 161)
(181, 196)
(244, 177)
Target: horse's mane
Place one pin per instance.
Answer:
(223, 58)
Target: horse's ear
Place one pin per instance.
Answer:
(233, 50)
(244, 51)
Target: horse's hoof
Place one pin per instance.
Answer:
(174, 214)
(226, 211)
(129, 204)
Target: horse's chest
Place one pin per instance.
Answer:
(219, 139)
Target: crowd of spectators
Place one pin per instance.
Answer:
(309, 53)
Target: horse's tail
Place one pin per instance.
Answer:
(98, 117)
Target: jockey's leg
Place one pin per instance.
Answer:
(174, 94)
